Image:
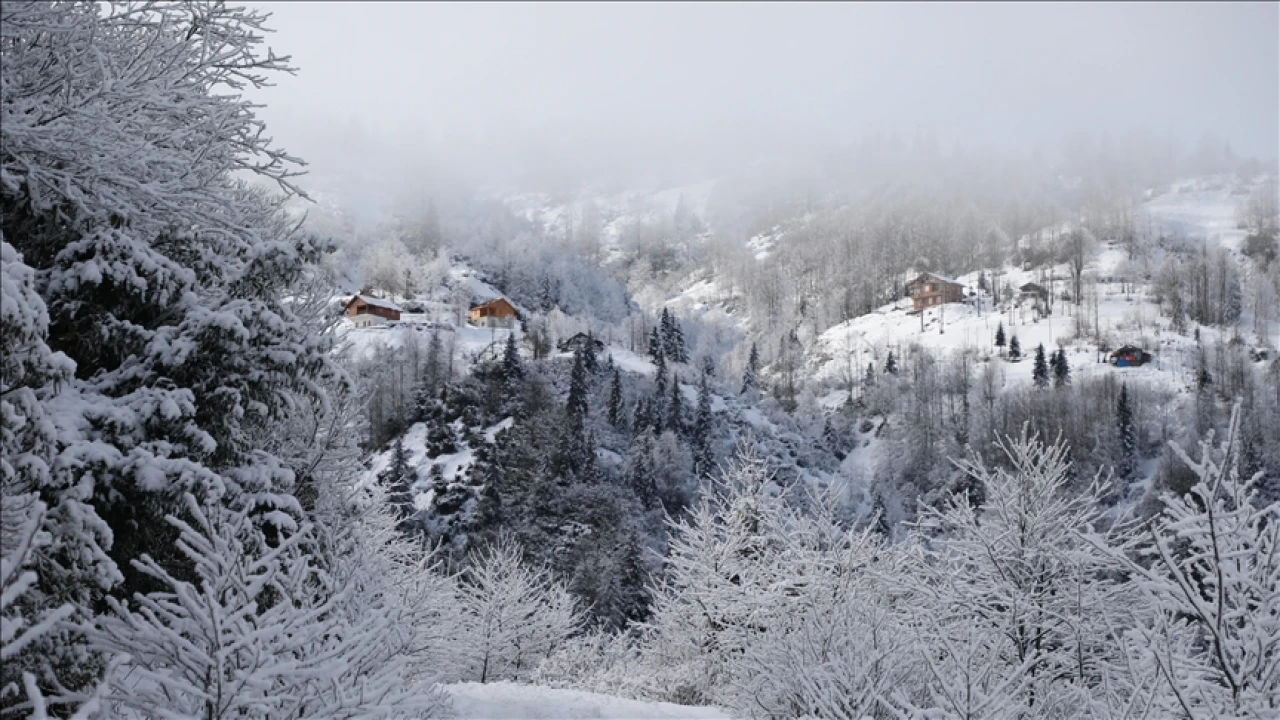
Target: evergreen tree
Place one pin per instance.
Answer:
(869, 378)
(576, 405)
(1040, 371)
(633, 581)
(701, 440)
(660, 379)
(440, 439)
(398, 480)
(675, 408)
(656, 352)
(164, 325)
(1061, 369)
(708, 366)
(749, 381)
(512, 368)
(639, 475)
(574, 458)
(433, 374)
(1128, 444)
(616, 417)
(590, 361)
(891, 364)
(831, 439)
(675, 347)
(1015, 348)
(641, 418)
(1000, 340)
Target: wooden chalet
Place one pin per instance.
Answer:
(579, 340)
(930, 290)
(1033, 291)
(365, 311)
(493, 314)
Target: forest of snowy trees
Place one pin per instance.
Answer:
(214, 508)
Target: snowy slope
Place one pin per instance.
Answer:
(1193, 210)
(504, 700)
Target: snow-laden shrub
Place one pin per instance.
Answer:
(514, 614)
(261, 631)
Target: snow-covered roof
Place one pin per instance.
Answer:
(376, 302)
(494, 301)
(943, 278)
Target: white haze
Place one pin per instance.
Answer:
(427, 96)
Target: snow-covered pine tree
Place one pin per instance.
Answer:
(750, 382)
(1040, 370)
(164, 277)
(398, 478)
(575, 453)
(656, 349)
(1061, 368)
(440, 435)
(576, 404)
(673, 338)
(590, 361)
(641, 417)
(638, 472)
(1128, 440)
(52, 547)
(1015, 348)
(1000, 339)
(675, 408)
(616, 416)
(512, 367)
(434, 373)
(700, 441)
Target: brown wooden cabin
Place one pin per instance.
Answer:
(930, 290)
(365, 311)
(495, 313)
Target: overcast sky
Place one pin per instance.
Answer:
(579, 85)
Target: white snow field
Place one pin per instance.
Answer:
(510, 701)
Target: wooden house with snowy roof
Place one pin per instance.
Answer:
(496, 313)
(930, 289)
(365, 311)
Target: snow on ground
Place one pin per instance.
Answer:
(631, 362)
(1200, 208)
(845, 350)
(504, 700)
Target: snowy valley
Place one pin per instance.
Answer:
(605, 365)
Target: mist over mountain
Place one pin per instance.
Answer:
(431, 360)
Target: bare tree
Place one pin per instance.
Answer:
(1076, 247)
